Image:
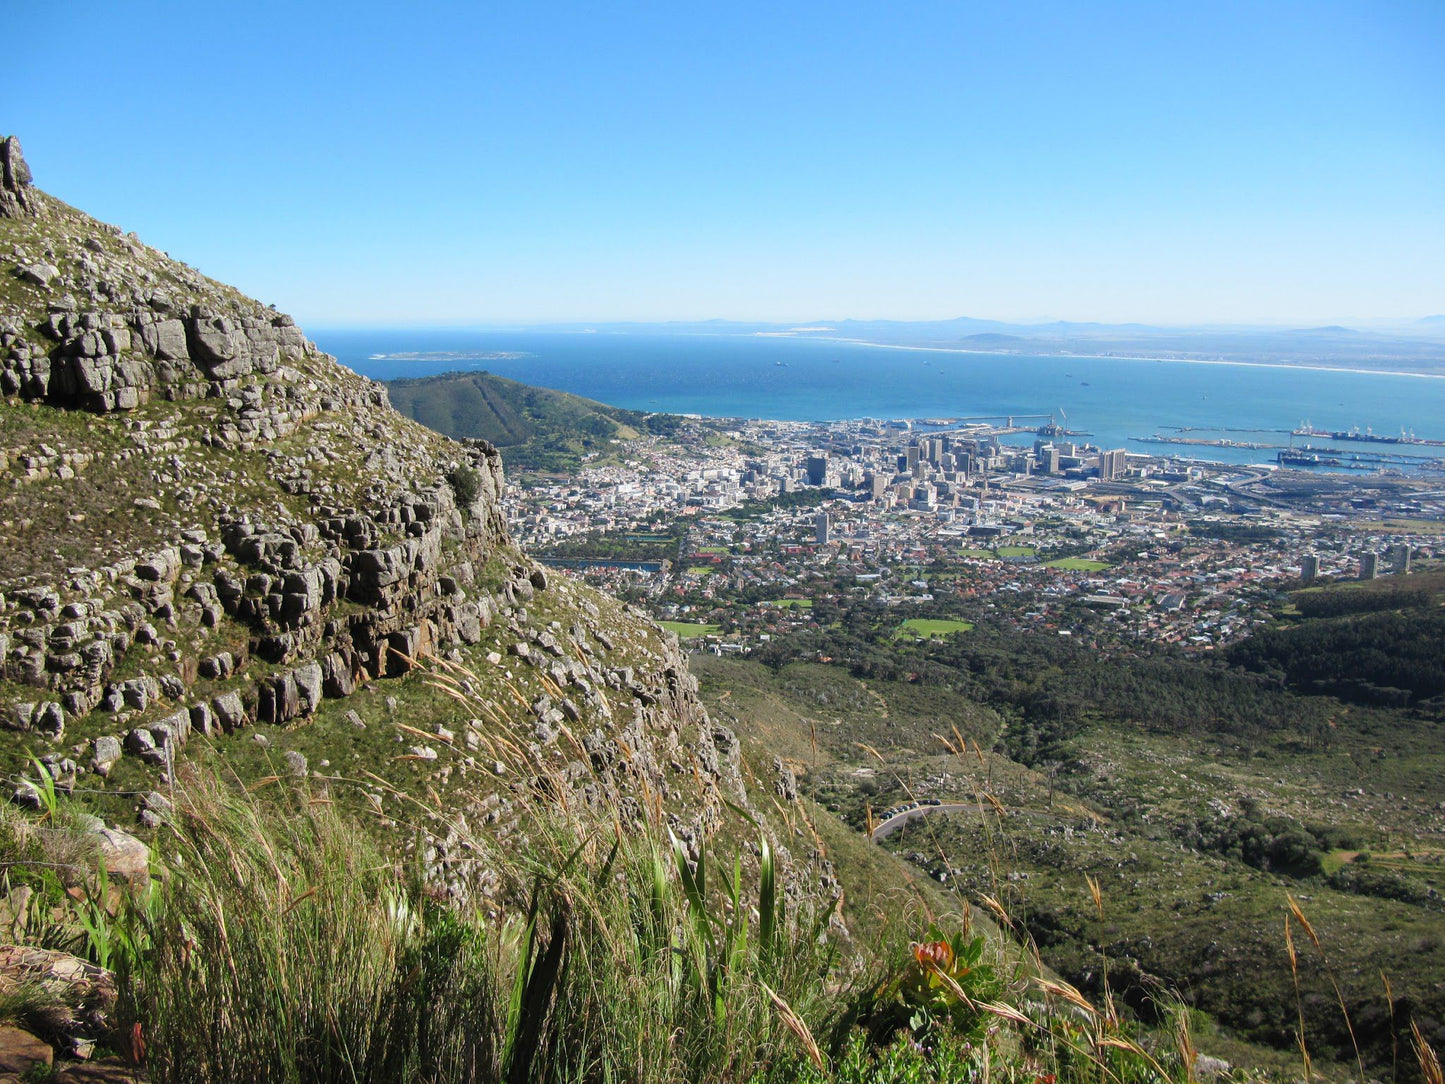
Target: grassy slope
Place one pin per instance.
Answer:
(1205, 924)
(531, 422)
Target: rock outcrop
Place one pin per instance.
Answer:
(212, 525)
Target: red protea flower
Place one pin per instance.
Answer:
(933, 955)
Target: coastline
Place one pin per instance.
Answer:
(1133, 357)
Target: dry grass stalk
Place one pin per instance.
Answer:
(1425, 1054)
(1298, 1000)
(1299, 916)
(1068, 993)
(794, 1023)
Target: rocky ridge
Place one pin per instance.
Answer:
(215, 527)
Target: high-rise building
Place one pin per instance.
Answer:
(1369, 565)
(1112, 464)
(823, 526)
(1309, 567)
(817, 469)
(877, 484)
(912, 454)
(1400, 559)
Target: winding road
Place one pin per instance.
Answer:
(898, 820)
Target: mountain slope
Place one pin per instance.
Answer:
(220, 540)
(541, 428)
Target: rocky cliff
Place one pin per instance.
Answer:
(212, 528)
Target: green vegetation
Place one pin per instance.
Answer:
(802, 498)
(276, 942)
(614, 545)
(1200, 793)
(542, 429)
(928, 627)
(688, 629)
(1373, 646)
(1077, 564)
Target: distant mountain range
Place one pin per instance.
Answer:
(1413, 345)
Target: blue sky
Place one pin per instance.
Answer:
(369, 163)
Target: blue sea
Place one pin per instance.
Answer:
(1114, 400)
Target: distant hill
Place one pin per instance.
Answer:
(542, 429)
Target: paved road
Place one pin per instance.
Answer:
(898, 820)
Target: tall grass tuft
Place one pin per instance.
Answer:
(282, 946)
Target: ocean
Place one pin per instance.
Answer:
(1115, 401)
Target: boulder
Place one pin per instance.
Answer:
(124, 856)
(230, 711)
(21, 1053)
(38, 274)
(308, 687)
(79, 995)
(104, 754)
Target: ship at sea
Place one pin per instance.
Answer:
(1367, 436)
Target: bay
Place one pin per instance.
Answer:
(1114, 400)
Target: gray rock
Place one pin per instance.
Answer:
(170, 341)
(173, 730)
(39, 274)
(308, 687)
(124, 856)
(230, 711)
(140, 742)
(202, 720)
(104, 754)
(50, 720)
(14, 173)
(161, 567)
(296, 763)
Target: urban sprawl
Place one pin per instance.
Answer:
(737, 532)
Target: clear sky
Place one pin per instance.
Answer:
(388, 163)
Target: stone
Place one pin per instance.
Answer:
(229, 710)
(39, 274)
(203, 721)
(125, 857)
(141, 742)
(308, 687)
(173, 730)
(161, 567)
(50, 720)
(14, 173)
(104, 754)
(110, 1070)
(296, 763)
(82, 995)
(21, 1052)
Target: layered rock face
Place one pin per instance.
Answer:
(211, 524)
